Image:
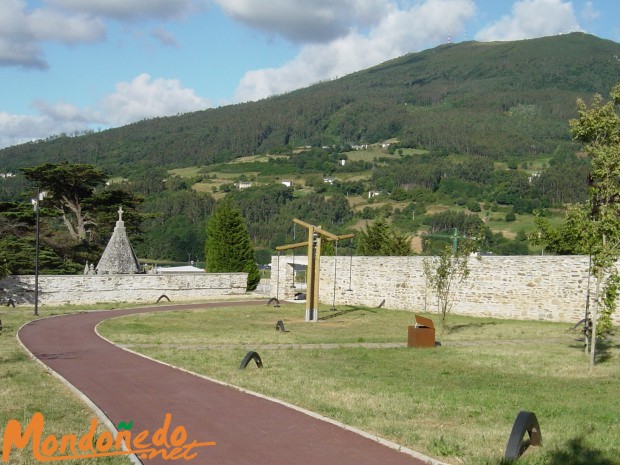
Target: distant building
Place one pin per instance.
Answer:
(243, 184)
(7, 175)
(178, 269)
(328, 180)
(287, 183)
(372, 194)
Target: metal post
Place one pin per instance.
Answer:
(335, 275)
(36, 252)
(350, 266)
(455, 241)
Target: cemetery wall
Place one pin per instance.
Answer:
(549, 288)
(139, 288)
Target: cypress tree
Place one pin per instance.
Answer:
(228, 247)
(381, 239)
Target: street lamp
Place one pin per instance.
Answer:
(35, 203)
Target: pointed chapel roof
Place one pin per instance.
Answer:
(118, 256)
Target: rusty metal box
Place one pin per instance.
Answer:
(422, 334)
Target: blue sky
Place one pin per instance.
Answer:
(72, 65)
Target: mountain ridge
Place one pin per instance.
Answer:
(492, 99)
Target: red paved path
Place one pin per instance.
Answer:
(248, 430)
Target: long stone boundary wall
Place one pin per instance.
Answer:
(86, 289)
(549, 288)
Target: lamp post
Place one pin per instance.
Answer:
(35, 203)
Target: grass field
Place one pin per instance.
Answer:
(456, 402)
(26, 388)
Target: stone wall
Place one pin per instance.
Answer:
(550, 288)
(82, 289)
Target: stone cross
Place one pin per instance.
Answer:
(120, 213)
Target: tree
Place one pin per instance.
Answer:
(380, 239)
(68, 186)
(228, 247)
(445, 272)
(593, 227)
(598, 127)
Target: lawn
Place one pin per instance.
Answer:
(456, 403)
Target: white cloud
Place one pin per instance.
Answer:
(17, 129)
(589, 13)
(131, 9)
(164, 37)
(24, 30)
(532, 18)
(145, 97)
(141, 98)
(54, 26)
(21, 32)
(307, 21)
(398, 32)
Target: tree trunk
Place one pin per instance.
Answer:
(594, 318)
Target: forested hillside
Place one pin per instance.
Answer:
(493, 99)
(460, 137)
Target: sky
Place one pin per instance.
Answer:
(67, 66)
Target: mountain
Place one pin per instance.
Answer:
(498, 99)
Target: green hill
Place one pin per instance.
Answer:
(498, 99)
(478, 137)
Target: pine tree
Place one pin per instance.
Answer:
(228, 248)
(381, 239)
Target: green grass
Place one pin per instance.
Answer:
(456, 403)
(26, 388)
(497, 222)
(189, 172)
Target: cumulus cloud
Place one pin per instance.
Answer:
(17, 129)
(304, 21)
(143, 97)
(397, 32)
(22, 31)
(131, 9)
(532, 18)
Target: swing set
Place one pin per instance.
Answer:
(316, 235)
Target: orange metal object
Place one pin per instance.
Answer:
(422, 334)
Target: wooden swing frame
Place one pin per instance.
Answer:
(315, 236)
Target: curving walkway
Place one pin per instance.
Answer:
(248, 429)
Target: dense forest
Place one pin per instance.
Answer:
(435, 143)
(497, 99)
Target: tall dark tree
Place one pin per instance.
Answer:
(228, 247)
(381, 239)
(68, 186)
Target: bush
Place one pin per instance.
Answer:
(473, 206)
